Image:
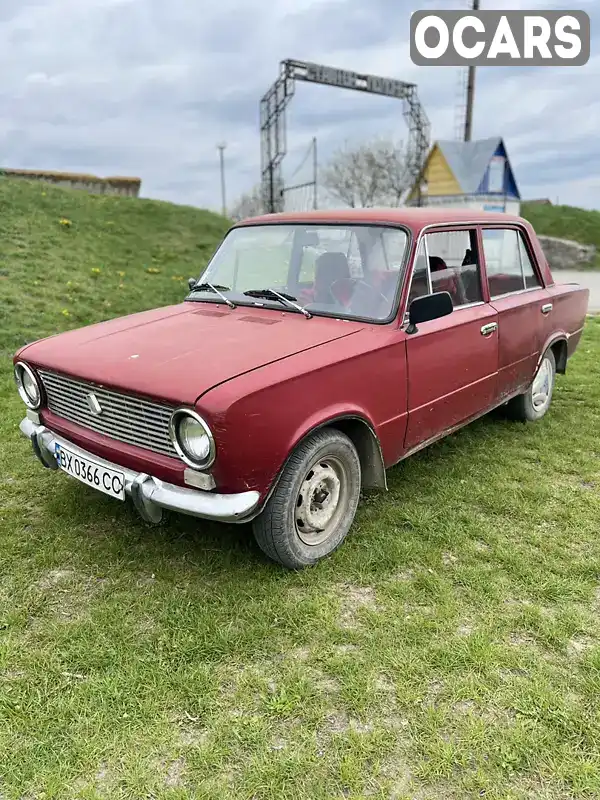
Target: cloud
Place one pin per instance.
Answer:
(149, 88)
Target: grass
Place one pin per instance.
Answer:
(566, 222)
(68, 258)
(450, 649)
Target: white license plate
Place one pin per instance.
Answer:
(91, 472)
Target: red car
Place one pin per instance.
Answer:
(315, 351)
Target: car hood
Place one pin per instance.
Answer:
(177, 353)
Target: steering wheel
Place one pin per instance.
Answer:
(376, 297)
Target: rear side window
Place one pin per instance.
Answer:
(507, 262)
(531, 278)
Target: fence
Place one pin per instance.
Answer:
(116, 185)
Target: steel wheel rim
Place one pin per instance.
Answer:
(321, 501)
(542, 386)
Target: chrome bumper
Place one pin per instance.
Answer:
(150, 495)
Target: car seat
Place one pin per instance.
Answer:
(437, 264)
(333, 283)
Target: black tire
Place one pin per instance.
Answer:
(522, 407)
(306, 489)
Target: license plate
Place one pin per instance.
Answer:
(91, 472)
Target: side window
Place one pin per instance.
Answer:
(419, 285)
(447, 261)
(531, 279)
(508, 265)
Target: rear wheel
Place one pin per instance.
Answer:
(313, 505)
(533, 404)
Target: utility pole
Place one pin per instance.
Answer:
(221, 148)
(470, 90)
(315, 172)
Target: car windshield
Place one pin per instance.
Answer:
(346, 271)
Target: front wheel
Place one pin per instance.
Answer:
(533, 404)
(313, 505)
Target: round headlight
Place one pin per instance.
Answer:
(192, 438)
(28, 385)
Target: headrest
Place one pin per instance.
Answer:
(332, 266)
(436, 263)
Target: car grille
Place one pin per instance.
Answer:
(125, 418)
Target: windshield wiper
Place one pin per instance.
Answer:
(288, 299)
(217, 289)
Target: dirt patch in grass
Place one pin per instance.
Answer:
(174, 777)
(344, 649)
(298, 654)
(101, 784)
(465, 629)
(579, 645)
(405, 576)
(56, 577)
(384, 684)
(327, 684)
(353, 600)
(339, 722)
(64, 595)
(449, 559)
(521, 640)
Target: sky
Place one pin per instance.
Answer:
(149, 88)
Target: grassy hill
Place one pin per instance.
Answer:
(68, 258)
(566, 222)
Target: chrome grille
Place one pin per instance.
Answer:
(125, 418)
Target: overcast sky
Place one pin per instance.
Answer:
(148, 88)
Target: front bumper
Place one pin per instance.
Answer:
(150, 495)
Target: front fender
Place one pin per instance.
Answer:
(258, 424)
(361, 431)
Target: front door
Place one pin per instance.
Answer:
(453, 361)
(517, 294)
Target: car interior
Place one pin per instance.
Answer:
(358, 287)
(461, 280)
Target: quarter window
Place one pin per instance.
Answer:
(530, 275)
(447, 261)
(507, 262)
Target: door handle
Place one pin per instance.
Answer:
(547, 308)
(488, 329)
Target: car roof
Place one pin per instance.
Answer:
(414, 218)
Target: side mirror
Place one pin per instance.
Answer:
(192, 282)
(430, 306)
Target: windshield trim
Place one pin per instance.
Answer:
(330, 223)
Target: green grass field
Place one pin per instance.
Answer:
(450, 648)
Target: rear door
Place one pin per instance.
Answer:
(453, 361)
(516, 292)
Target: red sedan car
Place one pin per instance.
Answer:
(314, 352)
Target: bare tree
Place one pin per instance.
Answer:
(397, 178)
(374, 173)
(247, 205)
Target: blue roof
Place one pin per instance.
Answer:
(469, 160)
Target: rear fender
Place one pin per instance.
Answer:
(558, 342)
